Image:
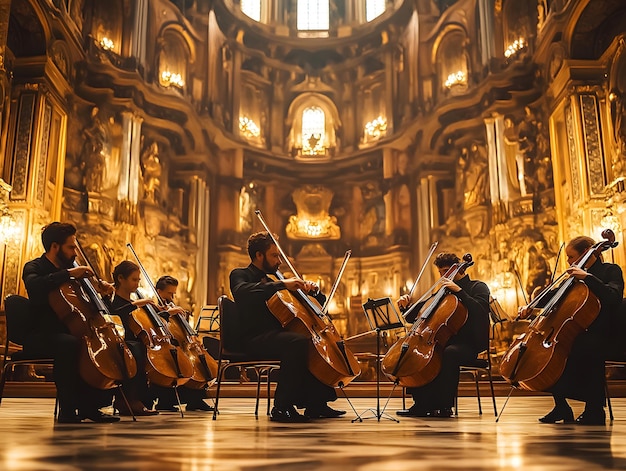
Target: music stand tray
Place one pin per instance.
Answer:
(381, 316)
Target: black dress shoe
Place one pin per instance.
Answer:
(288, 415)
(167, 408)
(558, 414)
(592, 417)
(444, 413)
(413, 411)
(323, 412)
(98, 417)
(200, 406)
(68, 419)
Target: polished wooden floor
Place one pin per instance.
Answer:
(30, 440)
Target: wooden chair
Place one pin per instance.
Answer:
(231, 354)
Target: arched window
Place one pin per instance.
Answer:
(251, 8)
(173, 60)
(374, 8)
(313, 131)
(313, 15)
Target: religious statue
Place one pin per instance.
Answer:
(93, 158)
(475, 175)
(618, 108)
(151, 169)
(372, 227)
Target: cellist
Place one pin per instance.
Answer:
(263, 336)
(126, 281)
(166, 287)
(50, 337)
(436, 399)
(583, 377)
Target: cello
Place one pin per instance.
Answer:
(204, 365)
(167, 364)
(104, 359)
(415, 360)
(536, 359)
(329, 360)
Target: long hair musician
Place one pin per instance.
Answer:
(583, 376)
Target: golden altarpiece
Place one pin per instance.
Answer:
(494, 127)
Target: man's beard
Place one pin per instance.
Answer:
(267, 268)
(64, 261)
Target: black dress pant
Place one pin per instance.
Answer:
(583, 378)
(136, 388)
(296, 385)
(441, 391)
(72, 392)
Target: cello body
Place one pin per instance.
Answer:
(329, 360)
(167, 364)
(204, 365)
(415, 360)
(104, 358)
(537, 358)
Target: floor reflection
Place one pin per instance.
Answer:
(236, 441)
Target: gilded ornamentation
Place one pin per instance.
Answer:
(595, 158)
(312, 220)
(22, 146)
(573, 155)
(534, 145)
(42, 162)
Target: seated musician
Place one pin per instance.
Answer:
(264, 338)
(166, 287)
(583, 377)
(126, 281)
(50, 338)
(436, 399)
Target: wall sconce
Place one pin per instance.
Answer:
(456, 78)
(513, 48)
(171, 79)
(9, 230)
(375, 129)
(107, 44)
(248, 128)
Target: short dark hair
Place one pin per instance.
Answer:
(259, 242)
(446, 259)
(56, 232)
(166, 281)
(124, 269)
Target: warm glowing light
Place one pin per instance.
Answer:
(10, 232)
(456, 78)
(172, 79)
(514, 47)
(375, 129)
(107, 44)
(248, 128)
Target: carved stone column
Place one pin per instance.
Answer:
(5, 9)
(199, 217)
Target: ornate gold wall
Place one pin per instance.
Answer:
(494, 128)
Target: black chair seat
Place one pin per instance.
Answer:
(230, 355)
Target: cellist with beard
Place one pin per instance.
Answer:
(50, 338)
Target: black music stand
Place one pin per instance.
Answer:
(381, 316)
